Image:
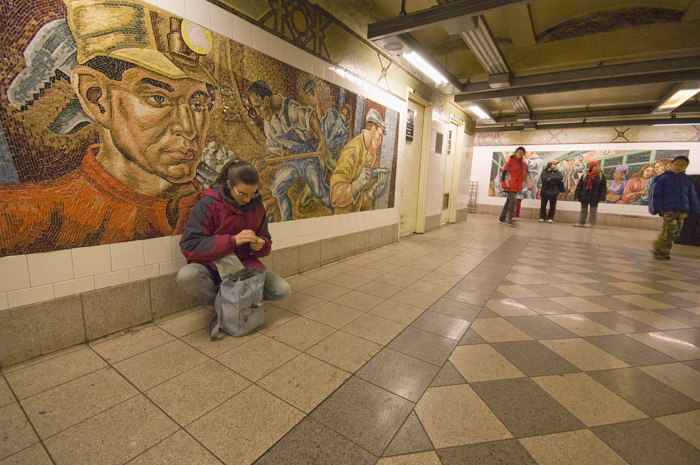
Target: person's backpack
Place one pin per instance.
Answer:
(239, 303)
(651, 198)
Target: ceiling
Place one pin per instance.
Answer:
(546, 63)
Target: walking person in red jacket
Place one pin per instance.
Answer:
(227, 231)
(513, 176)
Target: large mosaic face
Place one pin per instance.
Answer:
(115, 116)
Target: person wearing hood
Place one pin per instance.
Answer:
(590, 190)
(552, 186)
(225, 232)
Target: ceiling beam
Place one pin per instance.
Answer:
(519, 24)
(593, 124)
(613, 112)
(419, 19)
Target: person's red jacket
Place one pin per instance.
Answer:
(514, 174)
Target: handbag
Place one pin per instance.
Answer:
(239, 303)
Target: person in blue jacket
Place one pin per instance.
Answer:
(673, 197)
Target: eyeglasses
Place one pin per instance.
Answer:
(244, 195)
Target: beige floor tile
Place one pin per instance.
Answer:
(525, 279)
(525, 269)
(509, 307)
(379, 289)
(576, 289)
(690, 287)
(397, 311)
(515, 291)
(396, 280)
(244, 427)
(576, 278)
(299, 303)
(498, 330)
(304, 382)
(359, 301)
(654, 319)
(17, 433)
(180, 448)
(455, 416)
(258, 357)
(580, 447)
(692, 296)
(301, 333)
(421, 458)
(333, 314)
(299, 282)
(366, 273)
(579, 304)
(131, 342)
(685, 425)
(673, 275)
(344, 351)
(431, 288)
(588, 400)
(326, 291)
(642, 302)
(635, 288)
(619, 276)
(412, 297)
(583, 354)
(193, 393)
(202, 341)
(321, 274)
(581, 325)
(274, 317)
(34, 455)
(6, 396)
(114, 436)
(669, 345)
(187, 323)
(38, 377)
(374, 328)
(61, 407)
(481, 362)
(679, 376)
(349, 281)
(160, 364)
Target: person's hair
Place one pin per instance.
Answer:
(665, 161)
(237, 171)
(261, 89)
(682, 157)
(640, 173)
(520, 148)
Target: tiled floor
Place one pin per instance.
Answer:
(477, 343)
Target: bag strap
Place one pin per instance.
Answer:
(215, 323)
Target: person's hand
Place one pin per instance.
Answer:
(504, 186)
(244, 237)
(381, 185)
(323, 148)
(257, 245)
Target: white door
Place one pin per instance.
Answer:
(449, 171)
(408, 200)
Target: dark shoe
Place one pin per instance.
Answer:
(661, 256)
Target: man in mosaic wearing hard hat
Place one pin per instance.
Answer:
(141, 80)
(356, 181)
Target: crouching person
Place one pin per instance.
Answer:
(227, 231)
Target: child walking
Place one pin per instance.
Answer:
(590, 190)
(672, 197)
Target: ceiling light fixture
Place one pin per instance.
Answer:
(479, 112)
(418, 61)
(677, 97)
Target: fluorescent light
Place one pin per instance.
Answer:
(696, 123)
(418, 61)
(479, 112)
(678, 97)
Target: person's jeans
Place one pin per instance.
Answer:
(308, 168)
(509, 207)
(199, 280)
(552, 199)
(584, 213)
(673, 223)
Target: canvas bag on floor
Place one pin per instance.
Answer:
(239, 303)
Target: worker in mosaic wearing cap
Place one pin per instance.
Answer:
(354, 183)
(141, 81)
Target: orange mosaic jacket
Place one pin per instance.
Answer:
(84, 207)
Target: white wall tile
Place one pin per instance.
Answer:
(292, 228)
(89, 261)
(151, 2)
(111, 279)
(221, 21)
(4, 305)
(199, 12)
(304, 60)
(176, 7)
(318, 67)
(157, 250)
(126, 255)
(74, 286)
(177, 252)
(14, 273)
(277, 230)
(172, 267)
(145, 272)
(278, 50)
(261, 40)
(50, 267)
(30, 296)
(329, 72)
(242, 31)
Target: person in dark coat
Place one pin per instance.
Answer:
(672, 197)
(552, 186)
(590, 190)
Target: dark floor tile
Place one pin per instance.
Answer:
(611, 303)
(508, 452)
(658, 286)
(620, 323)
(311, 442)
(546, 290)
(693, 364)
(474, 284)
(691, 335)
(498, 295)
(448, 376)
(410, 438)
(647, 442)
(525, 408)
(423, 345)
(470, 337)
(456, 309)
(544, 306)
(366, 414)
(534, 359)
(675, 301)
(606, 289)
(399, 373)
(468, 297)
(442, 325)
(678, 314)
(488, 313)
(648, 394)
(628, 350)
(539, 327)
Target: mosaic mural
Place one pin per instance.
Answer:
(115, 115)
(630, 173)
